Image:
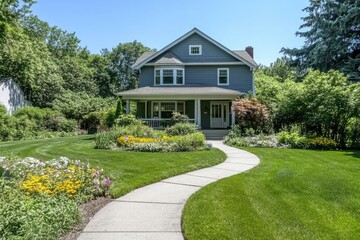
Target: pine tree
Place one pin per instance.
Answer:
(332, 38)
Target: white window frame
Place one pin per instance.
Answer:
(194, 46)
(159, 111)
(174, 69)
(218, 76)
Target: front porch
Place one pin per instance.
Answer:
(207, 107)
(207, 114)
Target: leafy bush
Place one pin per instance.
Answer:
(35, 217)
(322, 143)
(105, 140)
(238, 131)
(180, 129)
(190, 142)
(39, 200)
(126, 120)
(293, 139)
(269, 141)
(62, 176)
(177, 118)
(250, 113)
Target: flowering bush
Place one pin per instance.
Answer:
(189, 142)
(269, 141)
(321, 143)
(62, 176)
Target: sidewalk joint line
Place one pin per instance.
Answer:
(183, 184)
(228, 170)
(201, 176)
(129, 201)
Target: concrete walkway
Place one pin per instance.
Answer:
(154, 211)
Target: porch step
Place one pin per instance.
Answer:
(215, 134)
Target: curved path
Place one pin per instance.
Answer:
(154, 211)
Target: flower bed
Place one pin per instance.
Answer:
(189, 142)
(40, 199)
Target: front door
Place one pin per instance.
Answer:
(219, 115)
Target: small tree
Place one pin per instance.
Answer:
(250, 113)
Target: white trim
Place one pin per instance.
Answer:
(199, 113)
(195, 46)
(224, 104)
(195, 30)
(197, 64)
(181, 97)
(174, 69)
(159, 111)
(218, 76)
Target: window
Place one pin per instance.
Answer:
(223, 76)
(195, 50)
(164, 110)
(169, 76)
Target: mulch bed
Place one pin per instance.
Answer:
(88, 210)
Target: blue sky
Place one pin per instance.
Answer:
(265, 25)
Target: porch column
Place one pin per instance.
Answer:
(146, 109)
(127, 106)
(195, 111)
(232, 116)
(198, 103)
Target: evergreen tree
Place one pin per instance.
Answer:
(332, 38)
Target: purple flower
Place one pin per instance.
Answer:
(106, 182)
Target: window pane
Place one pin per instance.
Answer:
(168, 76)
(180, 107)
(195, 50)
(223, 76)
(157, 77)
(167, 106)
(179, 76)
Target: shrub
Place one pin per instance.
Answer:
(62, 176)
(294, 139)
(35, 217)
(190, 142)
(322, 143)
(39, 200)
(126, 120)
(269, 141)
(177, 118)
(182, 128)
(60, 124)
(250, 113)
(105, 140)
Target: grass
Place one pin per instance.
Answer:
(292, 194)
(128, 170)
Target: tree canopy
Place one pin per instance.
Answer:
(332, 38)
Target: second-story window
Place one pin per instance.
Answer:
(169, 76)
(223, 76)
(195, 50)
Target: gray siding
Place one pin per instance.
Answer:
(240, 77)
(146, 77)
(210, 52)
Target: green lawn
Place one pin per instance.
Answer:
(292, 194)
(128, 170)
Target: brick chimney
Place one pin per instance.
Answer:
(250, 51)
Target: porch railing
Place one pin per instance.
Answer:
(160, 123)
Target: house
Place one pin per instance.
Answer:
(194, 75)
(11, 96)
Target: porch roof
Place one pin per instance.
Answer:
(180, 93)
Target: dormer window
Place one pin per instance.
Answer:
(169, 76)
(195, 50)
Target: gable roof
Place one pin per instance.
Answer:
(148, 56)
(169, 58)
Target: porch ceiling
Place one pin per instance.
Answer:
(180, 93)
